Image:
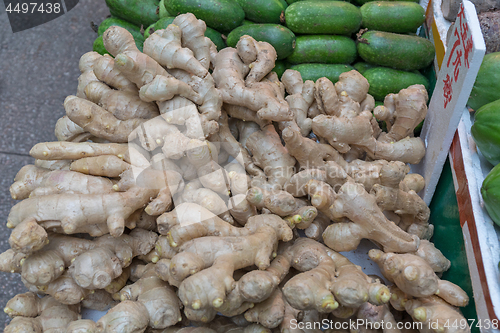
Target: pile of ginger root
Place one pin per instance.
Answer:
(192, 190)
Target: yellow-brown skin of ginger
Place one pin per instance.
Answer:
(123, 105)
(193, 37)
(126, 317)
(373, 316)
(136, 66)
(215, 267)
(435, 315)
(82, 326)
(165, 47)
(300, 98)
(270, 155)
(104, 165)
(72, 210)
(38, 315)
(86, 65)
(99, 122)
(67, 130)
(157, 296)
(407, 109)
(104, 70)
(229, 76)
(415, 277)
(60, 150)
(328, 279)
(35, 181)
(96, 268)
(368, 222)
(359, 131)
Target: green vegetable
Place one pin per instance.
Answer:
(263, 11)
(490, 190)
(385, 80)
(221, 15)
(323, 17)
(316, 71)
(392, 16)
(138, 12)
(486, 131)
(362, 2)
(361, 66)
(98, 46)
(398, 51)
(323, 49)
(163, 12)
(487, 86)
(279, 68)
(280, 37)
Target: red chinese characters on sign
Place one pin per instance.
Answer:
(462, 47)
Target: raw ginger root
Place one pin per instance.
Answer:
(185, 180)
(38, 315)
(415, 277)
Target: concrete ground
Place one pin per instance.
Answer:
(38, 69)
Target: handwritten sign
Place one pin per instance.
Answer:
(464, 54)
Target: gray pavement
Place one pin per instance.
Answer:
(38, 69)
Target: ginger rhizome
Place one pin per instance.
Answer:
(189, 183)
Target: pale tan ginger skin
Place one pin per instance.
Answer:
(354, 84)
(135, 65)
(398, 298)
(99, 122)
(291, 315)
(183, 330)
(11, 261)
(325, 95)
(34, 181)
(86, 65)
(309, 154)
(82, 326)
(97, 267)
(412, 182)
(434, 313)
(230, 144)
(270, 155)
(163, 88)
(238, 112)
(328, 279)
(99, 300)
(259, 56)
(28, 237)
(433, 256)
(67, 130)
(104, 165)
(157, 296)
(300, 98)
(229, 76)
(402, 112)
(415, 277)
(318, 226)
(126, 317)
(104, 70)
(389, 174)
(46, 265)
(210, 103)
(184, 214)
(123, 105)
(38, 315)
(209, 200)
(412, 210)
(278, 202)
(60, 150)
(214, 268)
(373, 316)
(368, 222)
(112, 209)
(358, 131)
(193, 37)
(268, 313)
(165, 47)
